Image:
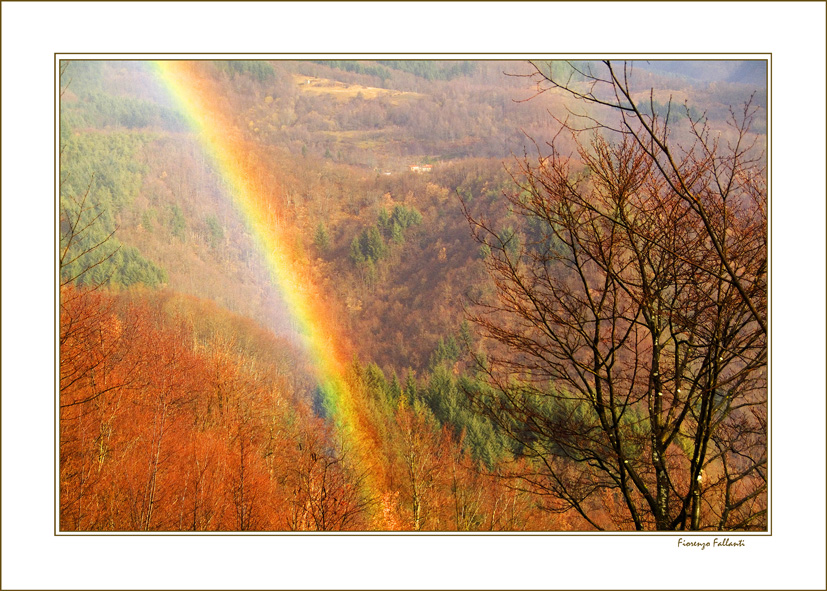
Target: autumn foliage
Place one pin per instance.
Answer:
(177, 416)
(616, 375)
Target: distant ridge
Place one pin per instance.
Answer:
(752, 72)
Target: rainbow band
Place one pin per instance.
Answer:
(199, 101)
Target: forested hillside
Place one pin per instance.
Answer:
(411, 295)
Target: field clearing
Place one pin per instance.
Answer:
(357, 133)
(344, 91)
(358, 138)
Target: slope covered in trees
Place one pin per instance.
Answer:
(187, 398)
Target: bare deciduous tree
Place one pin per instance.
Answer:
(628, 331)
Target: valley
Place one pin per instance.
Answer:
(287, 289)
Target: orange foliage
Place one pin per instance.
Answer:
(176, 416)
(165, 426)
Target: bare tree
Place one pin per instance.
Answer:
(704, 174)
(628, 332)
(327, 486)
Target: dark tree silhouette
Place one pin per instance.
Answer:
(627, 336)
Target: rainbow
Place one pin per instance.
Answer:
(234, 159)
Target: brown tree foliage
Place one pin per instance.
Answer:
(168, 425)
